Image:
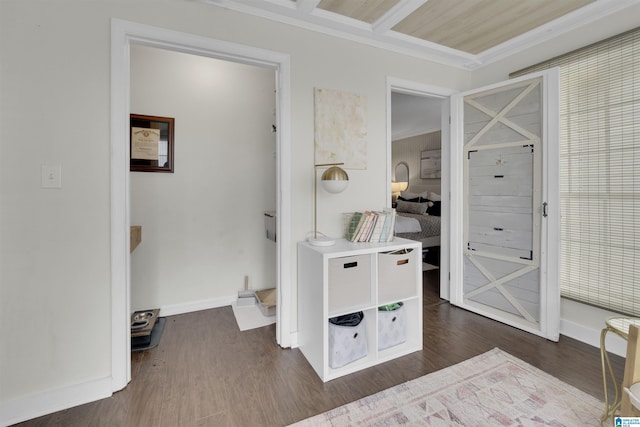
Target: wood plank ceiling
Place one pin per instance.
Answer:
(471, 26)
(462, 33)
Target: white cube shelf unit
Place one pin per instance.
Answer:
(351, 277)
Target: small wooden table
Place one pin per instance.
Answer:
(619, 325)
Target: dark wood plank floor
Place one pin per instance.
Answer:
(205, 372)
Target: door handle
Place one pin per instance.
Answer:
(544, 209)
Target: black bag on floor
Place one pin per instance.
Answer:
(352, 319)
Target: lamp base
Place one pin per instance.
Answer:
(321, 241)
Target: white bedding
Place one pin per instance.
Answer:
(407, 225)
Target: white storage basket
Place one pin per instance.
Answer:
(392, 328)
(397, 275)
(347, 343)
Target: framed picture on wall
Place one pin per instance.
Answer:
(151, 143)
(430, 164)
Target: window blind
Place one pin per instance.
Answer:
(600, 172)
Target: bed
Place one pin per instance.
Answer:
(418, 218)
(428, 232)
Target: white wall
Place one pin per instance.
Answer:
(408, 150)
(203, 225)
(55, 106)
(55, 103)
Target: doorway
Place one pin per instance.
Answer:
(422, 112)
(203, 223)
(124, 34)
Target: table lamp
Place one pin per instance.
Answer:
(334, 180)
(396, 189)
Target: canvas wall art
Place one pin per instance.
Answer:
(340, 128)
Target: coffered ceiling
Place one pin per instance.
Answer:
(462, 33)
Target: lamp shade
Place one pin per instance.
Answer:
(334, 180)
(397, 187)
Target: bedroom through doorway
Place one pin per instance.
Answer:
(418, 172)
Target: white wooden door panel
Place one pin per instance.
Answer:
(501, 158)
(505, 171)
(514, 204)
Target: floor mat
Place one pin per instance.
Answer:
(250, 317)
(156, 333)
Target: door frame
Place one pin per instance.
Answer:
(550, 229)
(429, 91)
(123, 34)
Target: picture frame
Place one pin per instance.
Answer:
(430, 164)
(151, 143)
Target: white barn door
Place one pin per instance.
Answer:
(506, 161)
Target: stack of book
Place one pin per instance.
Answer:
(371, 226)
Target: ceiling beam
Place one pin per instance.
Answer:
(305, 7)
(396, 14)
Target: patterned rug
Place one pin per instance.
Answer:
(492, 389)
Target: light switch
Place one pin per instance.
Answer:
(51, 176)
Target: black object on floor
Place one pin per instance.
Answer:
(431, 255)
(149, 341)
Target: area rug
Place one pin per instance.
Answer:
(492, 389)
(250, 317)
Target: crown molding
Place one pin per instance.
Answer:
(305, 14)
(585, 15)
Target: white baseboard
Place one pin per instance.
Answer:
(585, 323)
(294, 340)
(614, 343)
(173, 309)
(29, 407)
(22, 409)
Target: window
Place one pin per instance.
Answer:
(600, 172)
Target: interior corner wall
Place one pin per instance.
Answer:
(55, 245)
(203, 225)
(408, 150)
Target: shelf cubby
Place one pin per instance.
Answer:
(350, 277)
